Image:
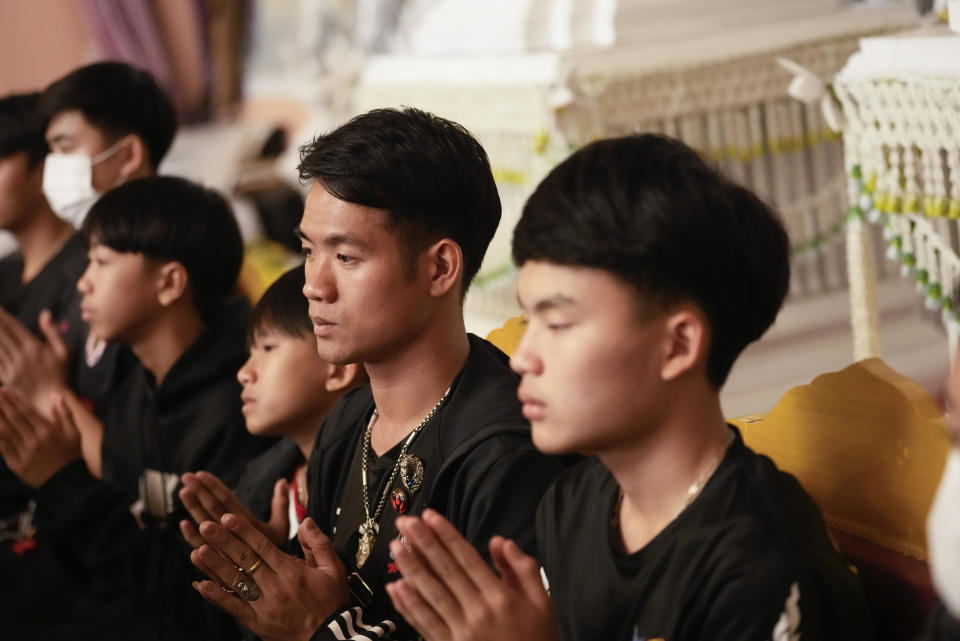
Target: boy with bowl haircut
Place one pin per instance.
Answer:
(164, 258)
(287, 391)
(643, 275)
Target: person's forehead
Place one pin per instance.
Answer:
(540, 281)
(96, 246)
(543, 286)
(105, 251)
(71, 126)
(325, 215)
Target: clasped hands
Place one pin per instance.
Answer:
(35, 368)
(33, 447)
(276, 595)
(447, 592)
(38, 430)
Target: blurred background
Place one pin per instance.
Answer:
(532, 79)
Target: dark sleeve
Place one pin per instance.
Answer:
(92, 519)
(357, 624)
(498, 493)
(940, 626)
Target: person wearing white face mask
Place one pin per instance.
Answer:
(105, 124)
(943, 529)
(68, 182)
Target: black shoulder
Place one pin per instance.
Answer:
(255, 487)
(581, 484)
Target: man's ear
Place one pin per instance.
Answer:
(342, 377)
(172, 282)
(133, 156)
(445, 260)
(685, 342)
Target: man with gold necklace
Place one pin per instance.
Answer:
(400, 211)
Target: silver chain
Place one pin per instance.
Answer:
(396, 466)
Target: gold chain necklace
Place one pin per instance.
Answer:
(369, 528)
(692, 492)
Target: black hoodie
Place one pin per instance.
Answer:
(192, 421)
(53, 288)
(152, 436)
(481, 471)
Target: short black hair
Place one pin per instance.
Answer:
(20, 128)
(118, 100)
(169, 218)
(431, 176)
(650, 211)
(282, 308)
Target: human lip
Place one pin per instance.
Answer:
(85, 313)
(321, 326)
(533, 408)
(247, 403)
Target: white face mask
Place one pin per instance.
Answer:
(68, 183)
(943, 535)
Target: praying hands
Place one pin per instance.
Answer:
(449, 594)
(206, 498)
(33, 447)
(277, 596)
(34, 367)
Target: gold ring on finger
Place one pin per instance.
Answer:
(253, 568)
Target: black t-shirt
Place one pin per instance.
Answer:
(346, 534)
(53, 288)
(749, 559)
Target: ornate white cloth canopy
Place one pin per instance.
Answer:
(901, 101)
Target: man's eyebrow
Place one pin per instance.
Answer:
(334, 240)
(553, 302)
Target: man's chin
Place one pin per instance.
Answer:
(545, 440)
(334, 353)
